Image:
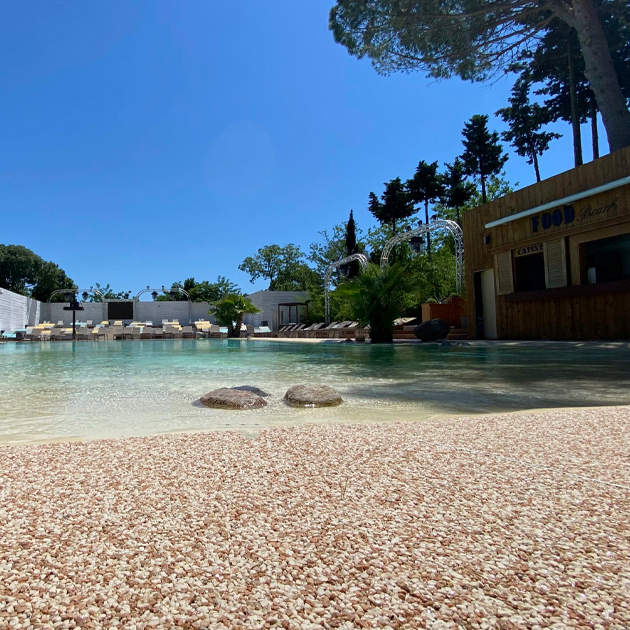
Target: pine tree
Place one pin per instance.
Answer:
(394, 205)
(426, 187)
(483, 155)
(457, 192)
(526, 120)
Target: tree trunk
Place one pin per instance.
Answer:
(483, 188)
(594, 131)
(575, 117)
(535, 163)
(601, 75)
(426, 217)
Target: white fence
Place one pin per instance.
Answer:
(17, 311)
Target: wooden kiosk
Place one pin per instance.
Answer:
(552, 261)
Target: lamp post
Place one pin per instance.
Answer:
(74, 306)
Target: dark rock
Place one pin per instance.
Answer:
(226, 398)
(313, 396)
(432, 330)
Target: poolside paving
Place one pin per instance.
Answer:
(508, 521)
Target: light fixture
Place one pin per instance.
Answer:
(85, 296)
(344, 270)
(154, 295)
(173, 293)
(418, 244)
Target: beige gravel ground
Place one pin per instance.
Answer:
(513, 521)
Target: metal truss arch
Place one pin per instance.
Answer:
(441, 224)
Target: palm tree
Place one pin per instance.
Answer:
(230, 310)
(378, 297)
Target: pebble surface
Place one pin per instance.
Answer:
(510, 522)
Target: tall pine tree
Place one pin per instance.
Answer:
(483, 155)
(526, 120)
(425, 187)
(457, 192)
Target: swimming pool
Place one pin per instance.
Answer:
(84, 390)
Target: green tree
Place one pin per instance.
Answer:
(108, 294)
(477, 39)
(526, 120)
(279, 265)
(426, 187)
(332, 247)
(19, 267)
(483, 155)
(379, 296)
(352, 246)
(50, 278)
(23, 271)
(204, 291)
(394, 205)
(230, 310)
(457, 192)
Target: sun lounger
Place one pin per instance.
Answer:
(187, 332)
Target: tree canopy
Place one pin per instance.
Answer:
(229, 312)
(23, 271)
(394, 206)
(478, 39)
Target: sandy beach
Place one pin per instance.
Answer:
(509, 521)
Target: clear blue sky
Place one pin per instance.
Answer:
(146, 142)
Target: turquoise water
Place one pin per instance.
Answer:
(83, 390)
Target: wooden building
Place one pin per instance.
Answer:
(552, 261)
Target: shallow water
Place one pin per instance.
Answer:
(82, 390)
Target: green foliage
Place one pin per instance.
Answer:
(203, 291)
(352, 246)
(108, 294)
(282, 266)
(394, 206)
(457, 192)
(24, 272)
(230, 310)
(426, 185)
(526, 120)
(483, 155)
(332, 247)
(379, 296)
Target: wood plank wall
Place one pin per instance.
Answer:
(563, 315)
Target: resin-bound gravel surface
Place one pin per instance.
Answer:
(510, 522)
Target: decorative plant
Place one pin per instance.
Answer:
(230, 310)
(379, 296)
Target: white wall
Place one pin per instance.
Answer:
(157, 311)
(96, 311)
(17, 311)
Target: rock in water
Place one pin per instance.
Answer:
(432, 330)
(313, 396)
(225, 398)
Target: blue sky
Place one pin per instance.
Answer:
(146, 142)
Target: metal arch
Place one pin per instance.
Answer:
(165, 290)
(75, 290)
(328, 276)
(441, 224)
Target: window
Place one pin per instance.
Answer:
(529, 272)
(606, 260)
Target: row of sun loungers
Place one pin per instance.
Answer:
(48, 331)
(335, 330)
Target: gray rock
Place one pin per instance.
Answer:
(313, 396)
(226, 398)
(253, 390)
(432, 330)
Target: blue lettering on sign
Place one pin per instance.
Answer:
(555, 218)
